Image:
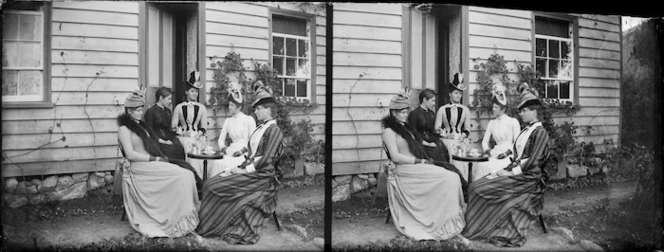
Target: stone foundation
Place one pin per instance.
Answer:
(55, 188)
(345, 185)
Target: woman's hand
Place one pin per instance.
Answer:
(237, 170)
(502, 173)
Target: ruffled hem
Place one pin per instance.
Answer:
(185, 225)
(453, 227)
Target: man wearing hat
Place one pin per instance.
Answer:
(503, 205)
(454, 118)
(422, 120)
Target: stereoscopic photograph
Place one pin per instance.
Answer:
(330, 126)
(481, 128)
(176, 126)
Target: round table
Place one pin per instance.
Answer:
(205, 157)
(470, 161)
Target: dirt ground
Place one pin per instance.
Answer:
(93, 223)
(594, 218)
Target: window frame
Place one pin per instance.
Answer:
(46, 63)
(574, 26)
(311, 23)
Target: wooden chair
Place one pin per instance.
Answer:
(118, 177)
(277, 157)
(386, 173)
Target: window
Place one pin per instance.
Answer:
(554, 57)
(24, 78)
(291, 55)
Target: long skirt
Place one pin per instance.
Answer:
(224, 164)
(438, 153)
(426, 201)
(481, 169)
(160, 199)
(235, 207)
(502, 209)
(173, 151)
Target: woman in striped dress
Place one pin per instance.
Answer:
(504, 204)
(234, 207)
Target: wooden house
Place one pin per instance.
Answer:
(68, 66)
(381, 48)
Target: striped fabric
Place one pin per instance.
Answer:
(502, 209)
(235, 207)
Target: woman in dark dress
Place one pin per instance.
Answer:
(422, 120)
(502, 206)
(158, 119)
(234, 207)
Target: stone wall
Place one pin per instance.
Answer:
(55, 188)
(344, 186)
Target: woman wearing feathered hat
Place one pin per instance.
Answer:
(151, 184)
(454, 117)
(235, 207)
(426, 201)
(190, 119)
(503, 129)
(238, 127)
(502, 207)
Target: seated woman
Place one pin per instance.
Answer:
(160, 197)
(239, 128)
(504, 130)
(158, 119)
(235, 207)
(422, 121)
(426, 201)
(502, 207)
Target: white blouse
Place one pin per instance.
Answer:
(504, 130)
(239, 127)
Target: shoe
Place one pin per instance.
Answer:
(462, 240)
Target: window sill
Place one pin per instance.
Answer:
(27, 105)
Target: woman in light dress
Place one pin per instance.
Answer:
(160, 197)
(426, 201)
(238, 127)
(504, 130)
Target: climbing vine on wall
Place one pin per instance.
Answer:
(230, 70)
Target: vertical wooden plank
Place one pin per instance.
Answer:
(201, 66)
(142, 43)
(47, 52)
(406, 48)
(430, 49)
(465, 51)
(416, 61)
(167, 48)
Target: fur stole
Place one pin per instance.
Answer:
(404, 130)
(143, 132)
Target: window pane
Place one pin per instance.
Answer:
(289, 25)
(291, 47)
(278, 64)
(290, 66)
(540, 47)
(303, 68)
(31, 27)
(303, 48)
(30, 54)
(9, 83)
(552, 90)
(10, 26)
(30, 82)
(554, 49)
(564, 90)
(280, 91)
(540, 67)
(277, 45)
(565, 50)
(289, 90)
(553, 68)
(566, 70)
(302, 88)
(9, 54)
(552, 27)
